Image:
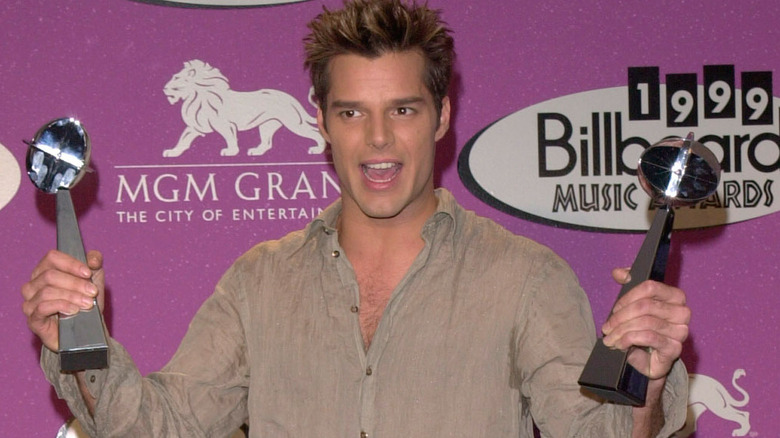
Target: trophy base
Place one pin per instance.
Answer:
(609, 375)
(84, 359)
(83, 344)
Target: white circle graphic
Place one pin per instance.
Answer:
(10, 176)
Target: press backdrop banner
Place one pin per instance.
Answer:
(553, 102)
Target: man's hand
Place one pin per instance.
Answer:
(652, 315)
(61, 284)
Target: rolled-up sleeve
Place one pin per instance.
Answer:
(554, 341)
(201, 392)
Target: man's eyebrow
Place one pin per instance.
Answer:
(408, 101)
(345, 103)
(394, 103)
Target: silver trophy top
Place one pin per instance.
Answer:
(58, 155)
(677, 171)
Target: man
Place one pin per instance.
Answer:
(396, 313)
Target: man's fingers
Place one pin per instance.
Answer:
(647, 315)
(55, 282)
(655, 363)
(51, 300)
(56, 260)
(621, 275)
(663, 310)
(646, 332)
(95, 260)
(651, 290)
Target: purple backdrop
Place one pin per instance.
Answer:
(169, 226)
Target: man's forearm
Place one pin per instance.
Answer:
(89, 400)
(649, 419)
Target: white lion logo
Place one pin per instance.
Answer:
(210, 105)
(706, 393)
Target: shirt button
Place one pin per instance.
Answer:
(354, 309)
(335, 253)
(92, 379)
(363, 434)
(369, 371)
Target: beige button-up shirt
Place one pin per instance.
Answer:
(487, 332)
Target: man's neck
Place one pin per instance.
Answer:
(362, 236)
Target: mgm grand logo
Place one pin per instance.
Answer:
(214, 114)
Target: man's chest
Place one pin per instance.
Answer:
(375, 290)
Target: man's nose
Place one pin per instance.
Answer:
(379, 133)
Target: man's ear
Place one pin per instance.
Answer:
(444, 119)
(321, 125)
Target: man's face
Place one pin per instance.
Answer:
(382, 127)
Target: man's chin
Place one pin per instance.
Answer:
(380, 213)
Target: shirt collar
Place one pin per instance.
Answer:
(326, 221)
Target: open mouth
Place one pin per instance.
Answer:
(381, 172)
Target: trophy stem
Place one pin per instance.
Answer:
(83, 342)
(68, 234)
(650, 262)
(607, 372)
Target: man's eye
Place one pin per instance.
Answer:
(348, 113)
(403, 111)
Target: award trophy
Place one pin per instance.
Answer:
(56, 160)
(673, 172)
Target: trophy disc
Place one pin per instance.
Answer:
(58, 155)
(677, 171)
